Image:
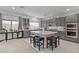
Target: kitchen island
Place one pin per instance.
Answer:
(44, 34)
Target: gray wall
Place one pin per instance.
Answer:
(0, 21)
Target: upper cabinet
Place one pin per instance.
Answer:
(42, 23)
(62, 21)
(71, 18)
(26, 23)
(57, 22)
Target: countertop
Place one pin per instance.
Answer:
(9, 32)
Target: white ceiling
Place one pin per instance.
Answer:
(41, 10)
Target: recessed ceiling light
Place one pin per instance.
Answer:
(13, 8)
(21, 6)
(67, 9)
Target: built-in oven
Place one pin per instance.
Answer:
(72, 30)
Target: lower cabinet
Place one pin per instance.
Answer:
(9, 36)
(20, 34)
(2, 36)
(14, 35)
(26, 33)
(62, 35)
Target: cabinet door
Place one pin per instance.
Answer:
(71, 18)
(57, 22)
(63, 35)
(62, 21)
(51, 22)
(62, 24)
(26, 33)
(2, 36)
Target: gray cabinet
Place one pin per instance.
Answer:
(57, 22)
(62, 24)
(71, 18)
(62, 21)
(2, 36)
(62, 34)
(51, 22)
(26, 33)
(26, 23)
(42, 23)
(0, 20)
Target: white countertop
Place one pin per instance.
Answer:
(44, 33)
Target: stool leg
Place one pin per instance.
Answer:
(58, 41)
(43, 43)
(30, 40)
(34, 43)
(39, 46)
(52, 44)
(55, 43)
(47, 43)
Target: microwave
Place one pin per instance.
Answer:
(71, 25)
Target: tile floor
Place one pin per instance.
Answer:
(23, 46)
(16, 46)
(65, 47)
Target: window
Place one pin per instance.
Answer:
(34, 25)
(6, 24)
(10, 25)
(14, 25)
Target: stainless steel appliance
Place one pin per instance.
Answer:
(72, 30)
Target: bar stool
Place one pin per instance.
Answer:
(52, 41)
(38, 41)
(31, 38)
(58, 39)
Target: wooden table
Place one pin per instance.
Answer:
(44, 34)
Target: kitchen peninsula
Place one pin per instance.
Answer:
(11, 35)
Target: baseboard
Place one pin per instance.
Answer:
(1, 40)
(70, 41)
